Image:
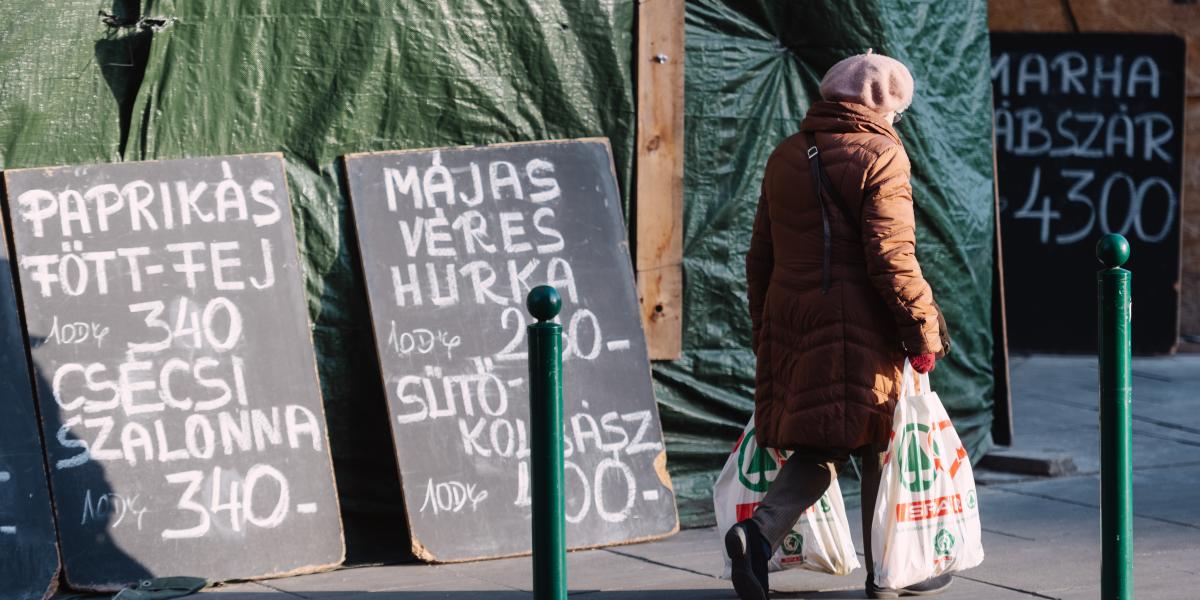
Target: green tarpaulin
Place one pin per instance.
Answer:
(104, 81)
(315, 80)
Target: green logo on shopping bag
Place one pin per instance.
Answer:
(916, 462)
(971, 499)
(943, 543)
(825, 507)
(753, 472)
(793, 544)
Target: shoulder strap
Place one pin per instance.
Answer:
(825, 185)
(814, 164)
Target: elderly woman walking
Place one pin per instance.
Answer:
(837, 302)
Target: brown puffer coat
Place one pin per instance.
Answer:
(829, 365)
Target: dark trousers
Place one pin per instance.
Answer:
(802, 481)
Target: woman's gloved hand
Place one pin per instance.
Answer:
(923, 363)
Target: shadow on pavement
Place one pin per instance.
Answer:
(856, 594)
(582, 594)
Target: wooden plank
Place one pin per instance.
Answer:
(1028, 15)
(1161, 16)
(1190, 294)
(659, 195)
(1002, 415)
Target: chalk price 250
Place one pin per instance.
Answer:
(583, 320)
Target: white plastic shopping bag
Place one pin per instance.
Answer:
(819, 541)
(926, 520)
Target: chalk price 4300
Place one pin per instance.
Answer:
(1115, 187)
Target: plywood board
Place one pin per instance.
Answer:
(451, 241)
(659, 196)
(175, 370)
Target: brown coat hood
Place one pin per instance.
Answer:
(846, 117)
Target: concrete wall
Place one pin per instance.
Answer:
(1181, 17)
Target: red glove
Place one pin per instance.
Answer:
(923, 363)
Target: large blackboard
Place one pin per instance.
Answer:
(28, 547)
(1089, 140)
(175, 369)
(451, 242)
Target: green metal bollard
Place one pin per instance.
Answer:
(546, 445)
(1116, 466)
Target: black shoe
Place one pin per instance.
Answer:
(928, 587)
(750, 553)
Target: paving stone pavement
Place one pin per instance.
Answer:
(1041, 535)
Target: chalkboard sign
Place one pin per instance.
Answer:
(1089, 141)
(28, 547)
(452, 240)
(175, 371)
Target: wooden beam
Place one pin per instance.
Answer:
(659, 187)
(1002, 414)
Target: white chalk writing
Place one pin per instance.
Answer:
(146, 285)
(5, 477)
(452, 496)
(464, 235)
(77, 332)
(139, 206)
(1090, 108)
(115, 507)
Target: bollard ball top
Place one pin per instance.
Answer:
(1112, 250)
(543, 302)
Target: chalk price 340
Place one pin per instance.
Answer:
(236, 497)
(190, 321)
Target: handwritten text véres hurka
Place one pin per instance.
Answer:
(442, 217)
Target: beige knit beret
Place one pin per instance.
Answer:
(882, 84)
